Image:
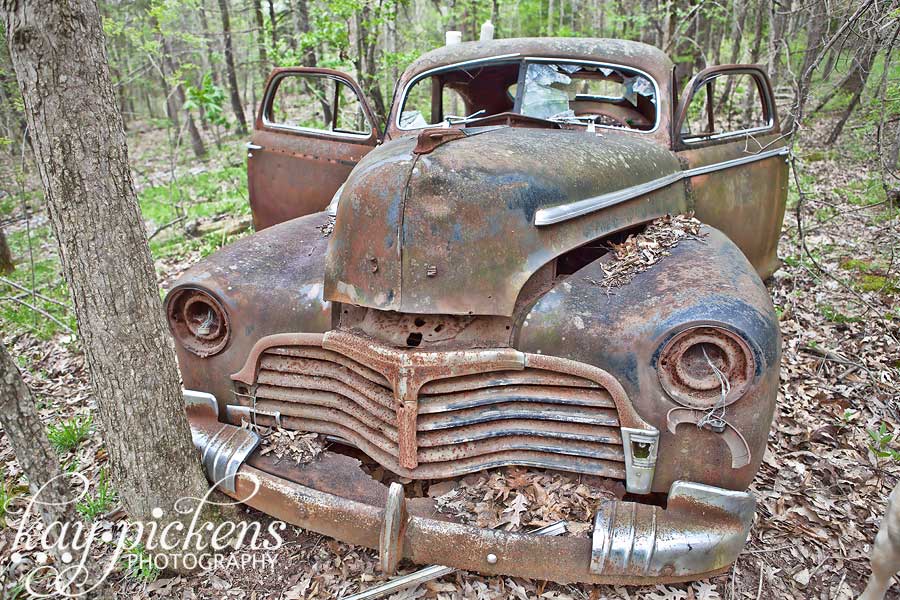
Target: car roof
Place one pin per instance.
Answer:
(623, 52)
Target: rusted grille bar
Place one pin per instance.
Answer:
(531, 416)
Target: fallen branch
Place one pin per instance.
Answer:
(162, 228)
(39, 311)
(34, 293)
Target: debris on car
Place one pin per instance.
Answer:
(292, 445)
(642, 250)
(517, 498)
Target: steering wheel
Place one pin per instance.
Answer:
(598, 114)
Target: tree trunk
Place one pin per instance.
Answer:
(260, 36)
(273, 22)
(366, 64)
(816, 31)
(737, 35)
(177, 100)
(7, 265)
(301, 27)
(776, 42)
(236, 105)
(80, 149)
(893, 159)
(857, 85)
(210, 45)
(28, 438)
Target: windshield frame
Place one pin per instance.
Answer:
(524, 61)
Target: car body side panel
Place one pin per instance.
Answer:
(747, 202)
(269, 282)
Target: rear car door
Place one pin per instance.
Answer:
(727, 134)
(312, 127)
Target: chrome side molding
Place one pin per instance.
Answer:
(703, 529)
(571, 210)
(223, 448)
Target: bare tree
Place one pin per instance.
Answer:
(58, 52)
(7, 265)
(260, 38)
(210, 45)
(28, 438)
(236, 104)
(176, 98)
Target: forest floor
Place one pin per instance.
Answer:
(833, 454)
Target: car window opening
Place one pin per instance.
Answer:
(573, 93)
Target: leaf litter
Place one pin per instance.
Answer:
(821, 488)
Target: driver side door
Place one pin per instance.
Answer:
(312, 127)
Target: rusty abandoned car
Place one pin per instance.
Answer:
(427, 297)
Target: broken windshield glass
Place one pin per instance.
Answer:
(576, 93)
(586, 93)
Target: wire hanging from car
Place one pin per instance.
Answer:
(715, 417)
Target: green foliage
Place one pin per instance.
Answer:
(835, 316)
(847, 417)
(826, 213)
(878, 283)
(209, 99)
(882, 441)
(100, 502)
(138, 564)
(46, 277)
(68, 434)
(9, 491)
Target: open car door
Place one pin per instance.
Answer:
(726, 131)
(312, 127)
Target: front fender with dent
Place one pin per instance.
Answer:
(705, 281)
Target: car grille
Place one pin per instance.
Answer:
(462, 411)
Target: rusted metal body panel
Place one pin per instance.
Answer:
(293, 172)
(453, 233)
(746, 202)
(703, 282)
(268, 283)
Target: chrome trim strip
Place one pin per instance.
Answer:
(734, 162)
(565, 212)
(695, 139)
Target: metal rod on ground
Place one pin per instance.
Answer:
(433, 572)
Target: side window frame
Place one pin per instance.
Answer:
(708, 75)
(263, 121)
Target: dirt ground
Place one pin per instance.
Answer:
(824, 478)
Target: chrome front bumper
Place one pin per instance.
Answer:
(699, 533)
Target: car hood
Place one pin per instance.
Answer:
(452, 231)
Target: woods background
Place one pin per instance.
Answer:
(188, 77)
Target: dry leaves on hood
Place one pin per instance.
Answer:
(642, 250)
